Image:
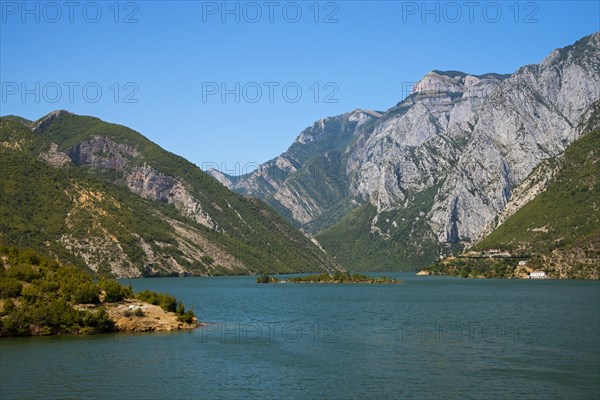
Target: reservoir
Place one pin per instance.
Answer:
(430, 337)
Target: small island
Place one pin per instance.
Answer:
(337, 278)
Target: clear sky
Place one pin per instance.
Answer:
(231, 84)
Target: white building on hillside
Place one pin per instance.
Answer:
(537, 274)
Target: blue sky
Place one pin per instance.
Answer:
(232, 84)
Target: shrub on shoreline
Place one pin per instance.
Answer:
(39, 296)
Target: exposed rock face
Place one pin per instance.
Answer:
(473, 139)
(530, 117)
(417, 142)
(54, 157)
(153, 185)
(533, 185)
(103, 153)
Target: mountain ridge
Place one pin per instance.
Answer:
(468, 141)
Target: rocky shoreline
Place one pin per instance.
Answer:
(133, 315)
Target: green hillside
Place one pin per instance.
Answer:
(403, 242)
(566, 213)
(61, 195)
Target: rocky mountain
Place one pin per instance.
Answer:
(397, 189)
(103, 196)
(557, 231)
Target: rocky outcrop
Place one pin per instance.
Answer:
(54, 157)
(103, 153)
(153, 185)
(417, 142)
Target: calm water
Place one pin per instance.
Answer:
(432, 337)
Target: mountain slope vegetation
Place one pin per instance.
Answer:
(40, 296)
(102, 196)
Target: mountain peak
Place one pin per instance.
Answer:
(42, 123)
(452, 81)
(439, 81)
(55, 114)
(584, 50)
